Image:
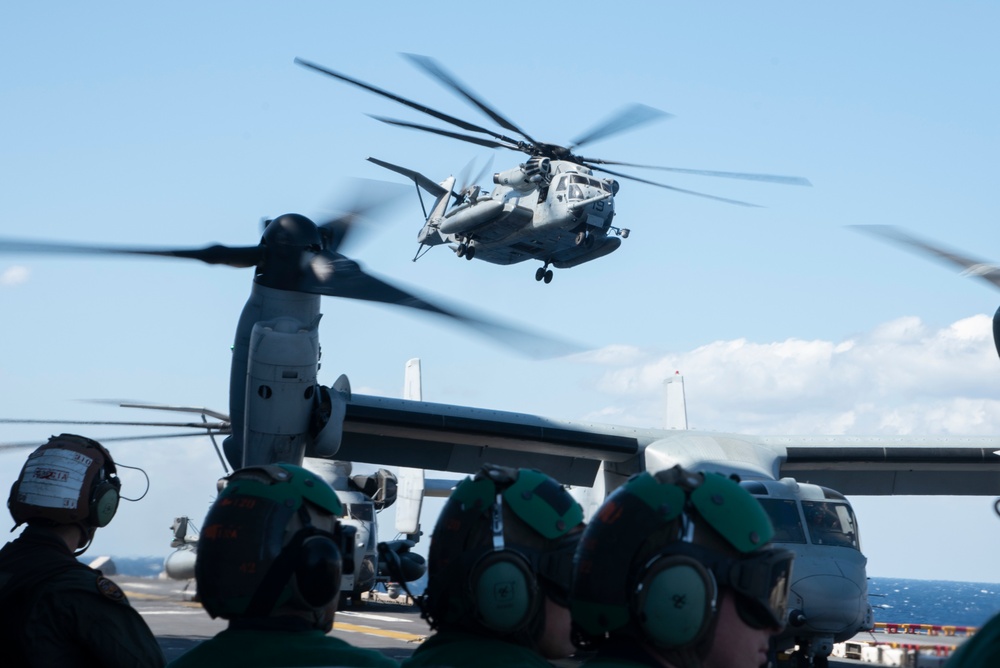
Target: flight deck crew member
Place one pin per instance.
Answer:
(270, 558)
(55, 610)
(499, 567)
(674, 570)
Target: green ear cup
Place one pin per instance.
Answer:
(504, 590)
(675, 601)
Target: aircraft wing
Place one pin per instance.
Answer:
(445, 437)
(879, 465)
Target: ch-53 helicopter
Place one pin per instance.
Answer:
(551, 208)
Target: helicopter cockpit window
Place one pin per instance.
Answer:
(831, 524)
(363, 512)
(784, 516)
(561, 183)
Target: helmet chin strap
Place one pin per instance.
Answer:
(86, 538)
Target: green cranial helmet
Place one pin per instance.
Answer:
(651, 560)
(271, 538)
(503, 542)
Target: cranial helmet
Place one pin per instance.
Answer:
(272, 539)
(503, 542)
(651, 561)
(69, 480)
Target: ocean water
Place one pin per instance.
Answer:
(940, 602)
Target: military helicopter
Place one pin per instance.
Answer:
(551, 208)
(828, 596)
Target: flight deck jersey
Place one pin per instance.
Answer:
(56, 611)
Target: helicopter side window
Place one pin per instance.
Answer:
(561, 184)
(831, 524)
(784, 516)
(361, 512)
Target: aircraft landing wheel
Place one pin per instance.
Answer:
(460, 251)
(470, 253)
(539, 273)
(547, 277)
(580, 237)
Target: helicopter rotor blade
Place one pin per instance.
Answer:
(674, 188)
(337, 276)
(986, 271)
(431, 67)
(488, 143)
(768, 178)
(369, 198)
(214, 426)
(628, 118)
(233, 256)
(465, 125)
(119, 439)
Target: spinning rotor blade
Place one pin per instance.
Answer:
(983, 270)
(215, 426)
(239, 257)
(369, 198)
(154, 437)
(675, 189)
(336, 276)
(769, 178)
(626, 119)
(971, 267)
(435, 70)
(488, 143)
(465, 125)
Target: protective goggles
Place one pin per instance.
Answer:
(760, 581)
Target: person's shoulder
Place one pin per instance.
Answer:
(88, 582)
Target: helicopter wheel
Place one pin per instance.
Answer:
(470, 252)
(460, 251)
(540, 273)
(547, 277)
(580, 237)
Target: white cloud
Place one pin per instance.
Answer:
(902, 377)
(14, 275)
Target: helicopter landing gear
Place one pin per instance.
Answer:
(466, 250)
(543, 274)
(584, 238)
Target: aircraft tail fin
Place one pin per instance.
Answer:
(676, 405)
(410, 493)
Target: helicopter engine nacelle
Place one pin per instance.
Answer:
(526, 176)
(281, 390)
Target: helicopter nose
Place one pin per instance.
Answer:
(830, 603)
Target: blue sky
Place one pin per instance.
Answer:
(183, 124)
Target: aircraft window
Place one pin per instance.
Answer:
(784, 516)
(561, 183)
(361, 511)
(575, 191)
(831, 524)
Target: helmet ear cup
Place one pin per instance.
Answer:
(104, 502)
(318, 569)
(504, 591)
(675, 601)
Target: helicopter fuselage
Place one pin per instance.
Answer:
(828, 596)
